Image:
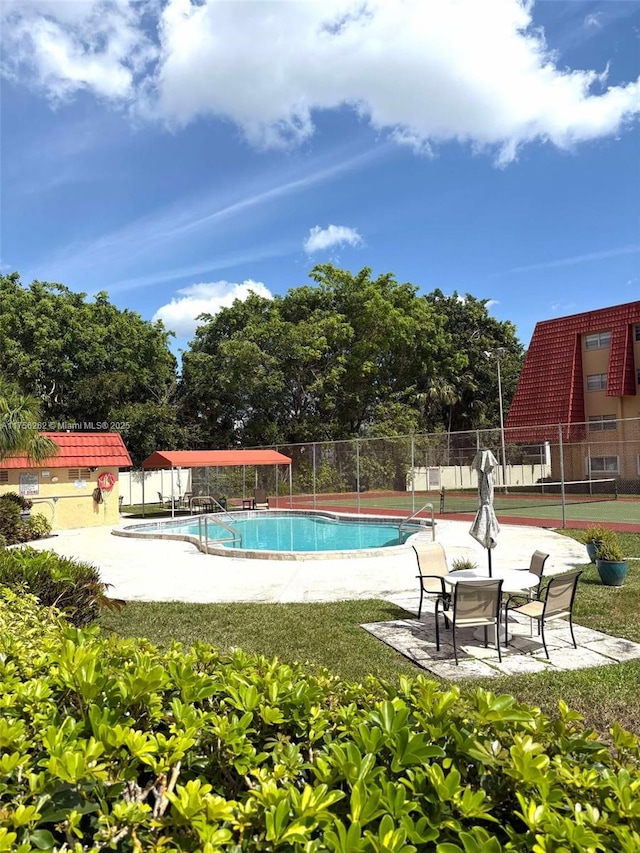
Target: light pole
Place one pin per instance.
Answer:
(498, 354)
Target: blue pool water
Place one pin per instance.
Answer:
(284, 532)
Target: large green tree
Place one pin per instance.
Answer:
(350, 355)
(322, 362)
(89, 362)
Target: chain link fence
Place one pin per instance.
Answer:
(562, 475)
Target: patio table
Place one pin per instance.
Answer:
(513, 580)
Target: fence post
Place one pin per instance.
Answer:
(562, 495)
(313, 457)
(358, 474)
(413, 475)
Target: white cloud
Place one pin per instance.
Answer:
(326, 238)
(180, 315)
(593, 20)
(423, 73)
(65, 47)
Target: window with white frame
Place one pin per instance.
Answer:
(597, 382)
(602, 465)
(600, 422)
(597, 340)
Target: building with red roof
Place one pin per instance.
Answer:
(79, 486)
(583, 372)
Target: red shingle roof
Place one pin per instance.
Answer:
(79, 450)
(213, 458)
(551, 389)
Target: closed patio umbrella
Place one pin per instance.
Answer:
(485, 527)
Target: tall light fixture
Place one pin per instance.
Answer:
(498, 353)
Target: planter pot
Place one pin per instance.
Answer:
(592, 550)
(25, 514)
(612, 573)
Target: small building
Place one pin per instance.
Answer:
(77, 488)
(583, 372)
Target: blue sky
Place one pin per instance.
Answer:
(177, 153)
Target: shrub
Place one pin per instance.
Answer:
(19, 500)
(595, 534)
(37, 526)
(111, 744)
(609, 548)
(463, 563)
(9, 519)
(72, 586)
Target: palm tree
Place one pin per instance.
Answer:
(20, 417)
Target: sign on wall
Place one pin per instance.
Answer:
(29, 484)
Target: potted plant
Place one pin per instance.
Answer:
(594, 537)
(611, 565)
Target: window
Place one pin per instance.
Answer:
(598, 340)
(638, 333)
(4, 478)
(597, 382)
(603, 464)
(599, 422)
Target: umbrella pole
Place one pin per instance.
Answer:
(489, 558)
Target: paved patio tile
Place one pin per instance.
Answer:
(616, 648)
(416, 640)
(467, 668)
(580, 658)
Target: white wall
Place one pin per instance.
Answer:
(154, 482)
(464, 477)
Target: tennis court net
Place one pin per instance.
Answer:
(532, 496)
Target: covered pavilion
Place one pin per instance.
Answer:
(174, 460)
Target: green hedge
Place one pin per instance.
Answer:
(71, 585)
(107, 743)
(13, 529)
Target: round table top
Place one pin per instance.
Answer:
(513, 580)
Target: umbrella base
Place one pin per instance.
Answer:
(478, 634)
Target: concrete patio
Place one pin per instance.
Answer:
(416, 640)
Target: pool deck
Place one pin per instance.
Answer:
(168, 570)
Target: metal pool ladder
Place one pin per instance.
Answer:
(235, 535)
(406, 521)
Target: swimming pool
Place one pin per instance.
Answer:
(285, 534)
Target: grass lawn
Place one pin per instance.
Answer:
(329, 635)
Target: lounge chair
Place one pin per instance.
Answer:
(475, 604)
(556, 604)
(260, 499)
(432, 565)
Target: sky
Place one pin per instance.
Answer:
(180, 153)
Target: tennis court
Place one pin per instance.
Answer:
(620, 511)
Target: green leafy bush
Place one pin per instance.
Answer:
(38, 526)
(108, 743)
(13, 528)
(9, 519)
(595, 534)
(72, 586)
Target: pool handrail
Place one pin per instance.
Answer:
(414, 516)
(235, 535)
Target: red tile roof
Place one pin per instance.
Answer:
(213, 458)
(551, 389)
(79, 450)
